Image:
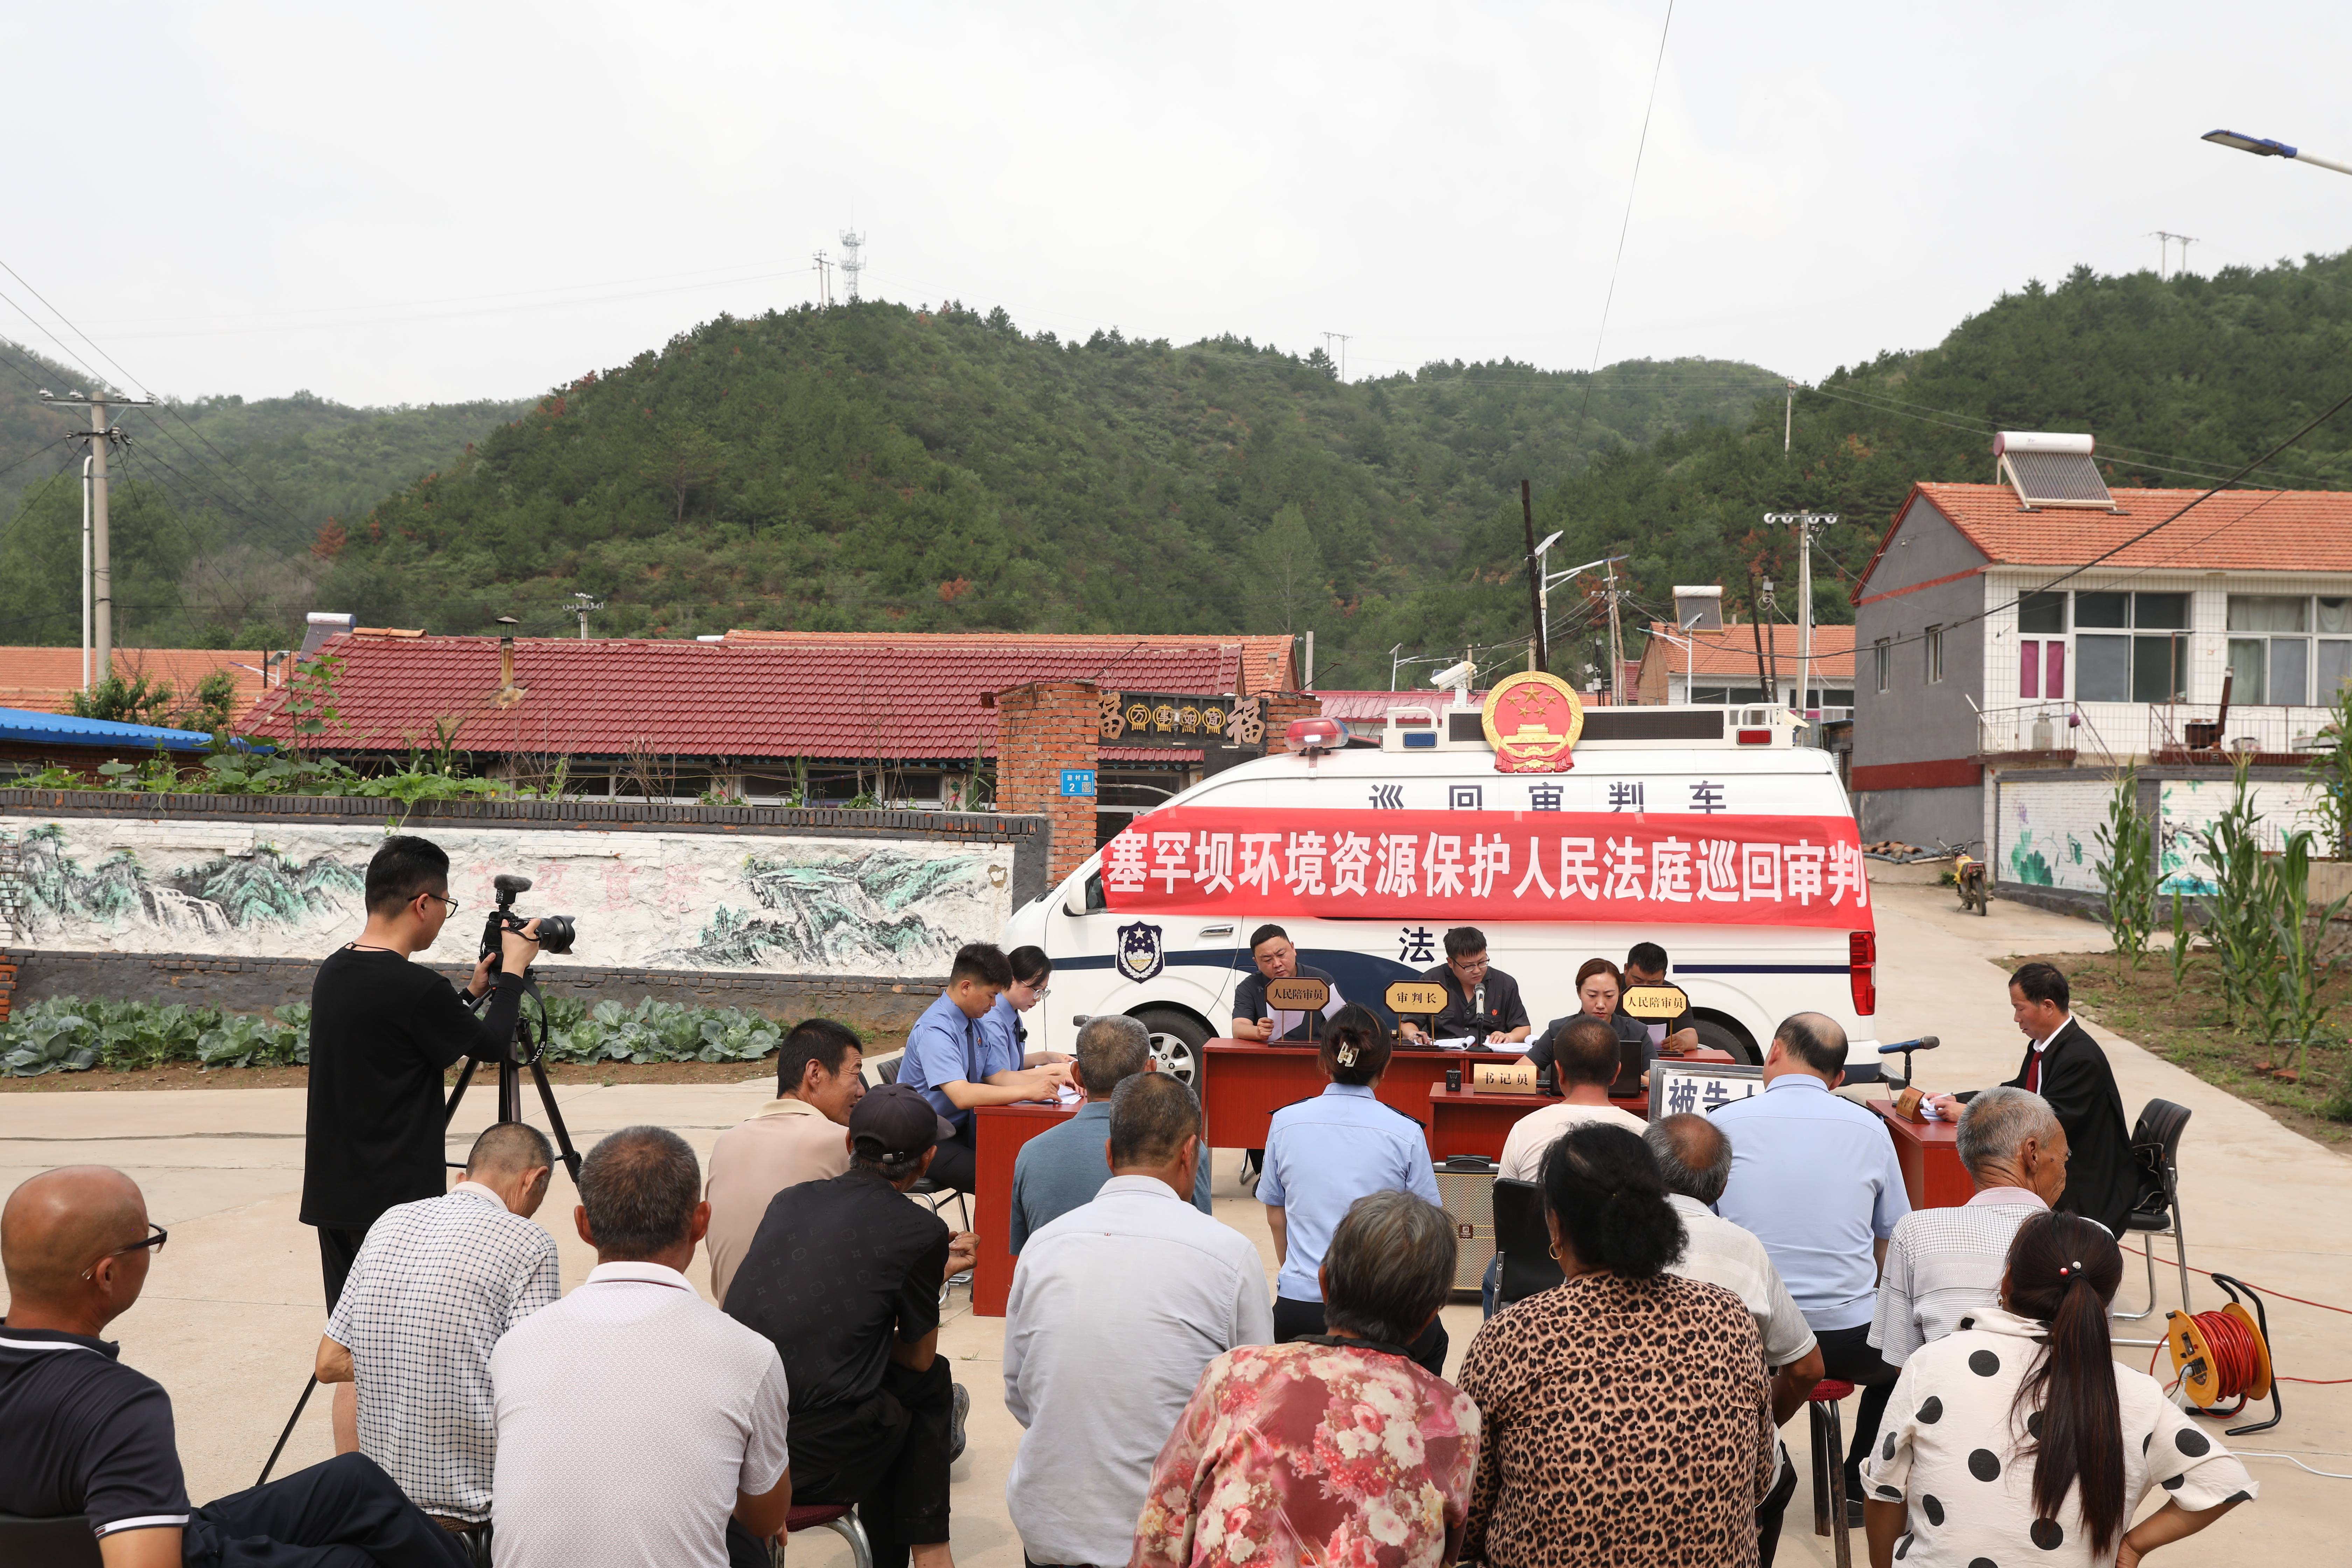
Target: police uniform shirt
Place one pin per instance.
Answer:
(1249, 1002)
(1324, 1153)
(1490, 1008)
(945, 1047)
(1003, 1039)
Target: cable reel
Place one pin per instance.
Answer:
(2225, 1355)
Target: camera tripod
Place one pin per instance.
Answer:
(527, 1048)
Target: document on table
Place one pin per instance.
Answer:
(1459, 1043)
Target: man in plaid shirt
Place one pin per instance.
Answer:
(434, 1286)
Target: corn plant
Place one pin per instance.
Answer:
(2183, 936)
(2128, 871)
(2298, 1012)
(2237, 914)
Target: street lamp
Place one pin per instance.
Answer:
(2263, 147)
(1552, 579)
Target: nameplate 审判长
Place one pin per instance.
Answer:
(1416, 996)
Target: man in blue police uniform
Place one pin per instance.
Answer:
(1481, 1003)
(948, 1058)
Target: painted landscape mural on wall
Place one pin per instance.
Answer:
(661, 901)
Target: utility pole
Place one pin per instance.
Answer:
(1787, 421)
(85, 574)
(1535, 574)
(1807, 524)
(1342, 340)
(1616, 644)
(2164, 249)
(582, 604)
(98, 440)
(823, 279)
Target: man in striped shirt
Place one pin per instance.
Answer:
(1943, 1266)
(435, 1287)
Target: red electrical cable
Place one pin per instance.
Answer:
(2266, 1290)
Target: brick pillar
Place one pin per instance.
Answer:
(1041, 728)
(1281, 708)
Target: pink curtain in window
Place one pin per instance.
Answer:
(2029, 668)
(2055, 686)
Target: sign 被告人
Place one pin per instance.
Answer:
(1180, 718)
(1679, 1089)
(1077, 782)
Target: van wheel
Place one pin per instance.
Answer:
(1718, 1037)
(1176, 1042)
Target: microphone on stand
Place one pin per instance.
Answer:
(1923, 1043)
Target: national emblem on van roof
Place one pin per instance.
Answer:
(1532, 719)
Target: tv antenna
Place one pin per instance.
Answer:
(853, 262)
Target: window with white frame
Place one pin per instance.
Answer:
(2287, 649)
(2041, 645)
(1881, 661)
(1935, 641)
(2131, 647)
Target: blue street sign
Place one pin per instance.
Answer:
(1078, 782)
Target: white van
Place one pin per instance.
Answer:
(1678, 769)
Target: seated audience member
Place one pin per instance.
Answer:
(1481, 1003)
(1645, 964)
(1276, 960)
(81, 1434)
(2066, 1068)
(1337, 1449)
(435, 1288)
(799, 1138)
(952, 1063)
(1002, 1032)
(1598, 989)
(635, 1356)
(1063, 1166)
(1321, 1155)
(1694, 1162)
(1814, 1178)
(1116, 1307)
(1943, 1266)
(1626, 1414)
(1585, 1061)
(844, 1278)
(2021, 1440)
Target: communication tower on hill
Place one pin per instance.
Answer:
(853, 262)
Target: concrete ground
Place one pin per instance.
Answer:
(232, 1312)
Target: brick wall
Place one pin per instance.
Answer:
(1281, 708)
(1041, 728)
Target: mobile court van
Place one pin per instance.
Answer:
(1562, 835)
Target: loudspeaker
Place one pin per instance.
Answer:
(1466, 1190)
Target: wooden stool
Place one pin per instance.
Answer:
(1829, 1466)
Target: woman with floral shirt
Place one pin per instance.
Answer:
(1337, 1449)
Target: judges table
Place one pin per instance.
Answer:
(1001, 1129)
(1248, 1083)
(1930, 1156)
(1478, 1120)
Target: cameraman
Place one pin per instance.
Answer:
(383, 1030)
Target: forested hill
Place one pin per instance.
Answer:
(217, 503)
(872, 467)
(2181, 382)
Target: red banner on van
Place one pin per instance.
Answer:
(1491, 866)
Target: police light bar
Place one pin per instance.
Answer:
(1315, 735)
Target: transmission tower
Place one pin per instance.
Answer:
(1341, 360)
(853, 262)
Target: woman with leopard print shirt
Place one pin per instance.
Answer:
(1627, 1419)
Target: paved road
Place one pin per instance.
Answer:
(232, 1312)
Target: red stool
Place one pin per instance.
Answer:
(839, 1518)
(1829, 1466)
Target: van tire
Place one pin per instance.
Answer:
(1176, 1041)
(1717, 1035)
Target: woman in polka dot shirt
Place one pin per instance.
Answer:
(2018, 1440)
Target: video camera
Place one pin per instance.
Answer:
(556, 932)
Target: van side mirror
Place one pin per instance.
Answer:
(1085, 898)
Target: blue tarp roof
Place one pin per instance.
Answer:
(33, 726)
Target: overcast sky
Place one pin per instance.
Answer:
(421, 202)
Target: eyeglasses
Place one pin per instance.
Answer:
(155, 1241)
(439, 898)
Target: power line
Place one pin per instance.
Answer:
(1634, 186)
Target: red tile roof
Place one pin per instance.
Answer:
(1269, 663)
(901, 698)
(2242, 531)
(1732, 651)
(44, 678)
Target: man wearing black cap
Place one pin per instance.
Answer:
(844, 1276)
